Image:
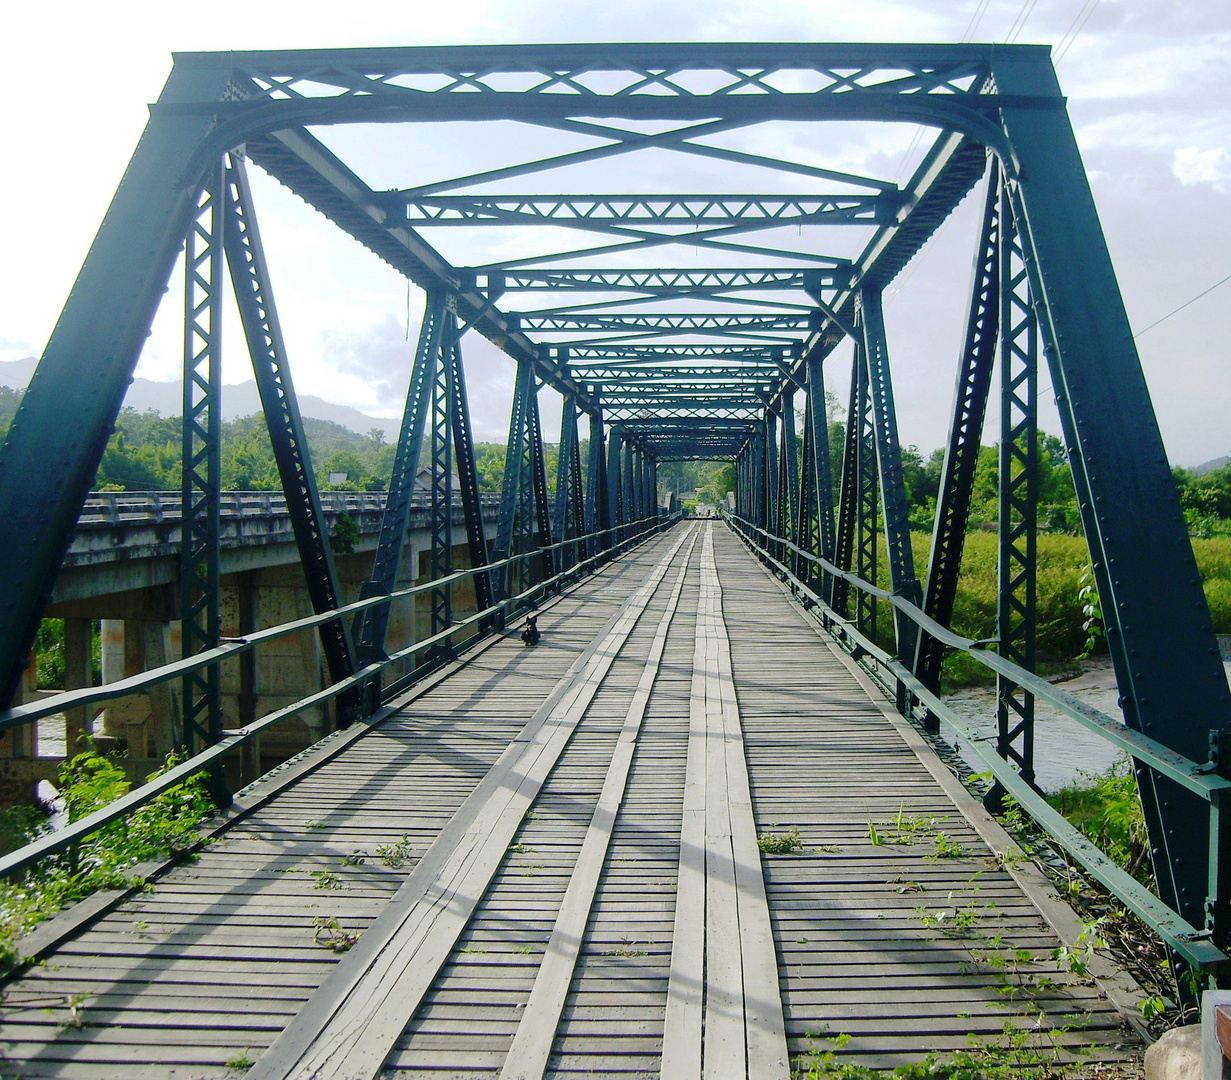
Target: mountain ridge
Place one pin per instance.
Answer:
(238, 399)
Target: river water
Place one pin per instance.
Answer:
(1063, 748)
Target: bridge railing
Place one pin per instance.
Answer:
(918, 703)
(135, 507)
(622, 537)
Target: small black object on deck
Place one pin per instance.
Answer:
(531, 634)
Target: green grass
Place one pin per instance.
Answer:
(1105, 807)
(1061, 560)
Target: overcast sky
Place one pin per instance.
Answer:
(1149, 89)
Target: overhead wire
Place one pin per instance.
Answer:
(1183, 306)
(1070, 35)
(1019, 24)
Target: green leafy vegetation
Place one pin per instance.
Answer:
(332, 935)
(1106, 808)
(168, 825)
(780, 843)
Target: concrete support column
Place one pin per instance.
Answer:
(144, 720)
(78, 672)
(248, 696)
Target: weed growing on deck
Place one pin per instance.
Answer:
(240, 1062)
(780, 843)
(395, 855)
(331, 934)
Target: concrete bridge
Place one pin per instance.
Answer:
(122, 570)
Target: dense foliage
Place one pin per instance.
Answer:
(168, 825)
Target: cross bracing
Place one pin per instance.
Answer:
(698, 323)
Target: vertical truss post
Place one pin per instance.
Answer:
(974, 380)
(570, 512)
(627, 490)
(467, 470)
(895, 512)
(847, 533)
(817, 421)
(806, 516)
(250, 279)
(598, 505)
(770, 512)
(402, 480)
(615, 486)
(865, 472)
(512, 524)
(653, 487)
(201, 700)
(788, 466)
(523, 500)
(1019, 496)
(541, 536)
(440, 557)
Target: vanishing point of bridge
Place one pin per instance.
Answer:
(695, 826)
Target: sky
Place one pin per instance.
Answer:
(1149, 91)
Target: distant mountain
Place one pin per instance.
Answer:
(238, 399)
(1210, 466)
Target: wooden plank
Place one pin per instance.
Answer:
(536, 1032)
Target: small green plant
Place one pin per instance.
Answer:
(1077, 957)
(946, 848)
(313, 825)
(780, 843)
(326, 880)
(1152, 1006)
(73, 1003)
(518, 849)
(355, 858)
(525, 950)
(332, 935)
(472, 949)
(240, 1062)
(875, 837)
(1091, 609)
(396, 855)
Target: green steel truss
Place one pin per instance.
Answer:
(675, 326)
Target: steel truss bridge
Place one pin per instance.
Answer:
(683, 326)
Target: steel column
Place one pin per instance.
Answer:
(253, 293)
(974, 380)
(440, 555)
(405, 469)
(1018, 497)
(201, 697)
(895, 512)
(467, 471)
(598, 506)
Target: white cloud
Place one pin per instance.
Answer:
(1193, 165)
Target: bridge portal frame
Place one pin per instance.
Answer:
(1001, 102)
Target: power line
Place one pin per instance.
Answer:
(1019, 24)
(1071, 34)
(1182, 306)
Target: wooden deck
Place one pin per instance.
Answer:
(549, 860)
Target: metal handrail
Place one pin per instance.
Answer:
(1192, 944)
(73, 834)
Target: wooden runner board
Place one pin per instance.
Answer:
(724, 1010)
